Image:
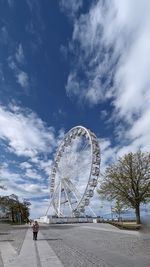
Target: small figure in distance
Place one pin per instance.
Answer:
(35, 228)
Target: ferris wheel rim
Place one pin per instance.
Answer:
(87, 189)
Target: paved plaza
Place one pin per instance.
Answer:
(73, 245)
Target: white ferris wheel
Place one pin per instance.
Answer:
(75, 173)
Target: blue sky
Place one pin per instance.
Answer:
(67, 63)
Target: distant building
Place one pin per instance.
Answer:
(3, 212)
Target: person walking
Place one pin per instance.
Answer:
(35, 229)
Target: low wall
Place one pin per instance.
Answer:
(50, 220)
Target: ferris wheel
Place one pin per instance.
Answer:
(75, 172)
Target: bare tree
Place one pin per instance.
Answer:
(128, 180)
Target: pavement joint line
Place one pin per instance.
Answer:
(48, 257)
(7, 249)
(1, 260)
(37, 255)
(33, 253)
(27, 256)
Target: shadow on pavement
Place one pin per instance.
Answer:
(61, 226)
(49, 239)
(7, 240)
(5, 233)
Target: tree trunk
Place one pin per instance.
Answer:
(137, 212)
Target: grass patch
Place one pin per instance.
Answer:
(127, 225)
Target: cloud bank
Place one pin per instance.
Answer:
(26, 145)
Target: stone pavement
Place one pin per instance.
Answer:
(73, 245)
(32, 253)
(101, 245)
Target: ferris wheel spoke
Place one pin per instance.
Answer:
(82, 155)
(55, 203)
(81, 166)
(77, 193)
(85, 146)
(73, 189)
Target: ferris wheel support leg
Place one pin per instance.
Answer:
(59, 200)
(68, 198)
(52, 199)
(92, 211)
(48, 208)
(50, 204)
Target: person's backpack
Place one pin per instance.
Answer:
(35, 227)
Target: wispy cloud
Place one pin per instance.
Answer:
(71, 7)
(1, 73)
(20, 54)
(36, 15)
(33, 174)
(10, 3)
(4, 35)
(25, 165)
(22, 79)
(110, 45)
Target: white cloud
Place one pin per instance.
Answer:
(32, 174)
(71, 7)
(18, 184)
(46, 166)
(7, 176)
(35, 189)
(13, 182)
(21, 76)
(22, 79)
(39, 208)
(12, 64)
(4, 35)
(20, 54)
(1, 73)
(39, 165)
(103, 114)
(73, 86)
(108, 153)
(26, 134)
(25, 165)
